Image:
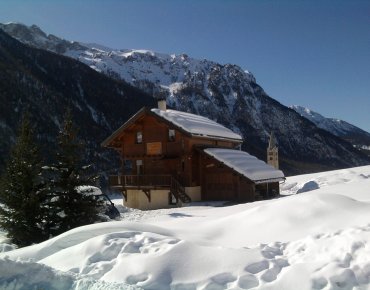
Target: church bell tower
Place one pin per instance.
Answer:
(273, 152)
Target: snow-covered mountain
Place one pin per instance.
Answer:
(33, 35)
(225, 93)
(172, 76)
(44, 84)
(340, 128)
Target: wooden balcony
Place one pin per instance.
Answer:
(147, 183)
(140, 181)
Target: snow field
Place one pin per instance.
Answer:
(316, 239)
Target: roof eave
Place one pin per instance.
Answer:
(277, 179)
(216, 138)
(107, 141)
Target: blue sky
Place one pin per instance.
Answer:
(311, 53)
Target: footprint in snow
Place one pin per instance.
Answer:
(257, 267)
(134, 279)
(319, 283)
(271, 274)
(247, 281)
(223, 278)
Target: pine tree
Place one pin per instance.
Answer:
(71, 203)
(22, 213)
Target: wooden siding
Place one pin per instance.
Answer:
(162, 155)
(182, 159)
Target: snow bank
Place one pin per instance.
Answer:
(308, 186)
(31, 275)
(5, 244)
(27, 274)
(351, 182)
(318, 239)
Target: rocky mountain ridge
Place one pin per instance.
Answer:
(224, 93)
(356, 136)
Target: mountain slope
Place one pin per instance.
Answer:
(45, 84)
(356, 136)
(224, 93)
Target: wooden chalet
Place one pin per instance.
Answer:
(171, 157)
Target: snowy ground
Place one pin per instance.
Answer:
(317, 239)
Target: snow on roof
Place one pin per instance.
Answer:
(246, 164)
(197, 125)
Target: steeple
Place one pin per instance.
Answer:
(273, 152)
(272, 142)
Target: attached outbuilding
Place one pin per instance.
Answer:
(230, 170)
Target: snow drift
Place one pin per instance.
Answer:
(317, 239)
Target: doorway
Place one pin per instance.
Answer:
(139, 167)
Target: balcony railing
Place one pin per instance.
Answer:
(148, 182)
(140, 181)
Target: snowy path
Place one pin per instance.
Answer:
(317, 239)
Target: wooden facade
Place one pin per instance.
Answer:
(162, 160)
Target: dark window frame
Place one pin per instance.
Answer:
(171, 137)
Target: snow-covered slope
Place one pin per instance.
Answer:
(317, 239)
(340, 128)
(336, 126)
(224, 93)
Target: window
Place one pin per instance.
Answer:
(139, 137)
(171, 135)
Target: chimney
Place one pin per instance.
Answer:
(162, 104)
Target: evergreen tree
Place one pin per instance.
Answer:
(22, 213)
(71, 203)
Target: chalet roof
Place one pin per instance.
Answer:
(197, 125)
(191, 124)
(246, 164)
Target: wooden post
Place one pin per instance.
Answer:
(201, 177)
(147, 193)
(124, 193)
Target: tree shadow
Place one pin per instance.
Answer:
(179, 215)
